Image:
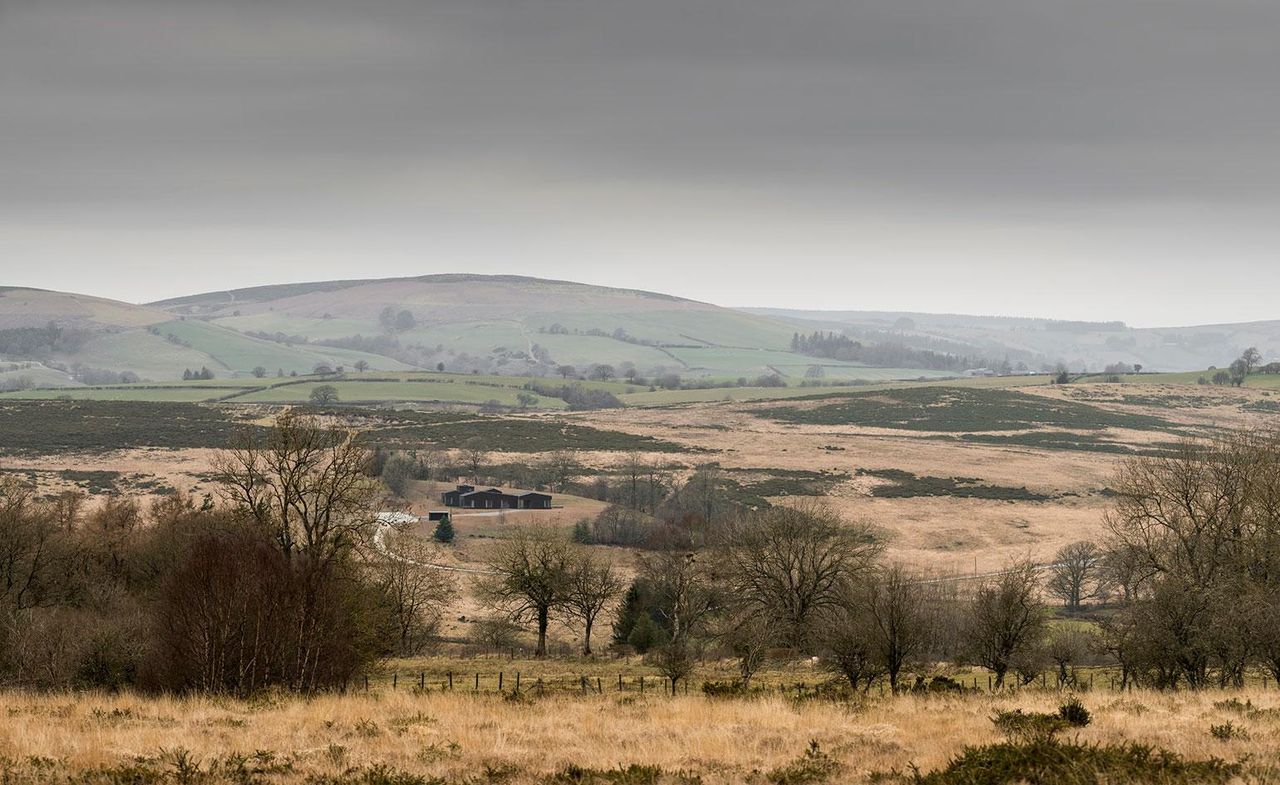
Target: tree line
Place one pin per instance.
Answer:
(888, 353)
(274, 581)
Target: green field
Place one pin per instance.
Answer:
(1262, 381)
(239, 353)
(34, 373)
(120, 393)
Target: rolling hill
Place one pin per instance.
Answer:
(519, 326)
(514, 325)
(51, 339)
(1039, 342)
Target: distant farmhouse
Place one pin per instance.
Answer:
(468, 497)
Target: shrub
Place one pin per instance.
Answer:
(1050, 762)
(1030, 727)
(378, 774)
(1228, 731)
(812, 766)
(1234, 705)
(444, 531)
(1074, 713)
(634, 774)
(729, 689)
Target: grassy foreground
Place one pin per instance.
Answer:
(407, 738)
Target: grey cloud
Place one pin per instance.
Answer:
(1090, 112)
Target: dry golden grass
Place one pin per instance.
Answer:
(458, 736)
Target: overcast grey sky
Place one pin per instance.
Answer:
(1111, 159)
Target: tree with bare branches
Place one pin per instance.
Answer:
(305, 483)
(685, 596)
(473, 459)
(793, 563)
(305, 486)
(1076, 575)
(533, 572)
(417, 593)
(897, 608)
(594, 584)
(1006, 620)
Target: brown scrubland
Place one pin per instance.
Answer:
(827, 601)
(464, 738)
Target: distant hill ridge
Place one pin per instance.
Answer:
(520, 325)
(279, 291)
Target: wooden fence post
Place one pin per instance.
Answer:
(451, 680)
(499, 681)
(395, 682)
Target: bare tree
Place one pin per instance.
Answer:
(306, 483)
(418, 594)
(559, 468)
(1067, 647)
(428, 460)
(848, 646)
(594, 585)
(897, 608)
(533, 574)
(684, 598)
(750, 637)
(67, 508)
(324, 394)
(305, 486)
(1251, 358)
(473, 458)
(1076, 574)
(1006, 619)
(792, 564)
(27, 547)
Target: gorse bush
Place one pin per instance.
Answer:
(1051, 762)
(1034, 727)
(1228, 731)
(1029, 726)
(812, 766)
(1074, 713)
(633, 774)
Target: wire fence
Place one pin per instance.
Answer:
(517, 683)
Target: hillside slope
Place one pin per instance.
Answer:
(509, 324)
(1045, 341)
(60, 339)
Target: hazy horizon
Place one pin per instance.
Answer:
(745, 307)
(1093, 161)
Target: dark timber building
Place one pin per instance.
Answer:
(470, 498)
